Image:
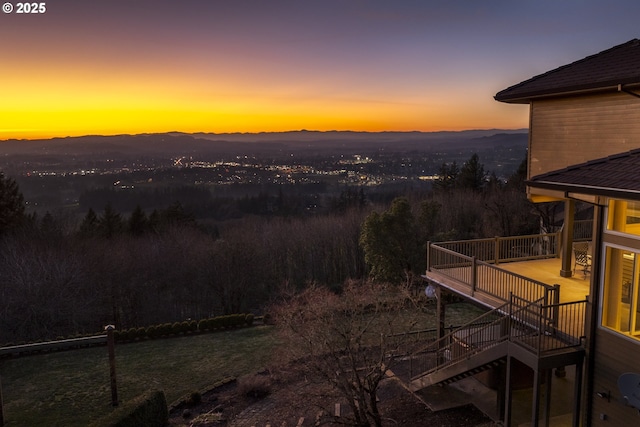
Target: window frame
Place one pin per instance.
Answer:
(620, 240)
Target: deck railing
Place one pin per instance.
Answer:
(406, 343)
(484, 331)
(504, 249)
(582, 230)
(481, 276)
(554, 326)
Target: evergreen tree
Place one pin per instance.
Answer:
(89, 225)
(176, 215)
(110, 223)
(155, 221)
(472, 175)
(447, 177)
(391, 243)
(517, 180)
(12, 210)
(138, 222)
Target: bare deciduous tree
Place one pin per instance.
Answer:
(347, 339)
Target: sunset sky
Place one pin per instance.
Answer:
(134, 66)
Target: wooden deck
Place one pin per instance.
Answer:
(547, 271)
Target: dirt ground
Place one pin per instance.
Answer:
(289, 397)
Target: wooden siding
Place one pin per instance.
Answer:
(614, 355)
(569, 131)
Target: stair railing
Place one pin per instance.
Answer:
(485, 331)
(518, 319)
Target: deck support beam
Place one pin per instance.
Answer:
(567, 238)
(440, 312)
(506, 419)
(577, 390)
(535, 402)
(547, 396)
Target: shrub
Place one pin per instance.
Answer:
(257, 386)
(140, 333)
(166, 329)
(203, 325)
(193, 326)
(267, 319)
(217, 322)
(249, 319)
(194, 399)
(185, 327)
(209, 325)
(176, 328)
(149, 410)
(239, 319)
(153, 331)
(131, 334)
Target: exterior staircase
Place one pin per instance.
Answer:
(530, 331)
(487, 359)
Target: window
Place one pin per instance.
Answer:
(624, 216)
(621, 298)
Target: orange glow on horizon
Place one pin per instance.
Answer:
(233, 116)
(75, 101)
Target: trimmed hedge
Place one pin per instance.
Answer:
(159, 331)
(185, 327)
(147, 410)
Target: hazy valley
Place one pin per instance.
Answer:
(78, 173)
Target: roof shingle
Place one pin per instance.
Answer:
(613, 176)
(619, 65)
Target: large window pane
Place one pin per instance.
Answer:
(624, 216)
(620, 293)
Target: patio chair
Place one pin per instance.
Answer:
(582, 257)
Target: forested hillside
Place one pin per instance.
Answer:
(60, 276)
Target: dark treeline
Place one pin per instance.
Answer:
(59, 277)
(203, 203)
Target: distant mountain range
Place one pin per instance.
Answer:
(256, 144)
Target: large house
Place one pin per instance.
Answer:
(556, 302)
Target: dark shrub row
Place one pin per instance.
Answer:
(128, 335)
(185, 327)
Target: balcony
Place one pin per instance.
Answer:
(489, 271)
(535, 316)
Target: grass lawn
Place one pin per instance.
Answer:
(72, 388)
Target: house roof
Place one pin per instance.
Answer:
(616, 176)
(619, 65)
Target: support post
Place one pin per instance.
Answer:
(1, 406)
(567, 238)
(440, 312)
(427, 256)
(577, 394)
(112, 363)
(547, 397)
(501, 391)
(506, 419)
(535, 404)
